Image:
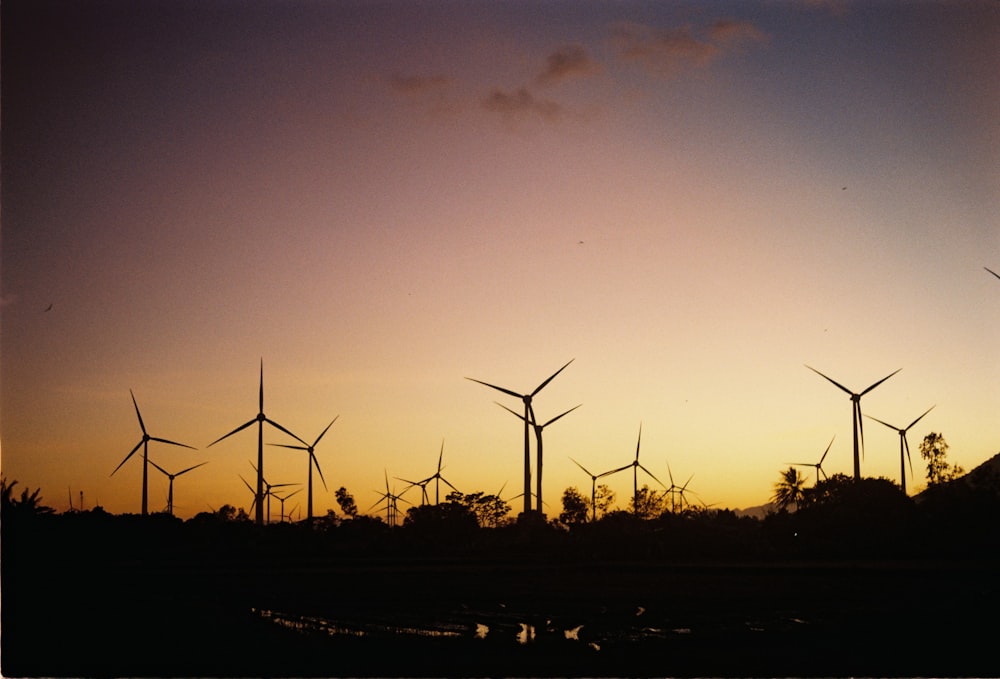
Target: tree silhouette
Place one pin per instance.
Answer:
(604, 500)
(575, 507)
(934, 449)
(346, 502)
(30, 501)
(646, 503)
(789, 489)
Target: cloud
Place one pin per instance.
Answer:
(670, 51)
(566, 62)
(731, 33)
(521, 103)
(663, 51)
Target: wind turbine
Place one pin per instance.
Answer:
(436, 477)
(593, 486)
(144, 443)
(904, 446)
(859, 433)
(260, 419)
(529, 416)
(676, 490)
(268, 493)
(636, 466)
(282, 501)
(538, 445)
(390, 499)
(818, 465)
(311, 449)
(170, 490)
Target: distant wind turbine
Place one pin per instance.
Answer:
(311, 449)
(529, 417)
(674, 490)
(260, 419)
(144, 443)
(282, 499)
(170, 490)
(904, 446)
(538, 446)
(636, 466)
(391, 499)
(593, 486)
(435, 477)
(817, 465)
(859, 434)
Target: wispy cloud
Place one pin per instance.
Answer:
(731, 33)
(566, 62)
(521, 103)
(670, 51)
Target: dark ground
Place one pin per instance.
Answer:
(97, 618)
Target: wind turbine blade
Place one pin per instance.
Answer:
(312, 457)
(861, 427)
(324, 431)
(920, 418)
(615, 471)
(827, 449)
(173, 443)
(493, 386)
(449, 485)
(906, 447)
(238, 429)
(558, 416)
(637, 442)
(512, 412)
(881, 422)
(165, 472)
(440, 457)
(137, 414)
(261, 386)
(189, 468)
(879, 382)
(671, 475)
(684, 487)
(249, 487)
(583, 468)
(542, 385)
(131, 453)
(837, 384)
(278, 426)
(650, 474)
(992, 272)
(285, 445)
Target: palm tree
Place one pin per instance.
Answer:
(789, 489)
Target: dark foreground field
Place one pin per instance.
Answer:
(464, 617)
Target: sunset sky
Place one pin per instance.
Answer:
(691, 200)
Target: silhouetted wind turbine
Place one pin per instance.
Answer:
(538, 446)
(282, 501)
(311, 449)
(636, 466)
(260, 419)
(817, 465)
(676, 490)
(593, 486)
(170, 489)
(904, 446)
(528, 418)
(390, 499)
(144, 443)
(859, 434)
